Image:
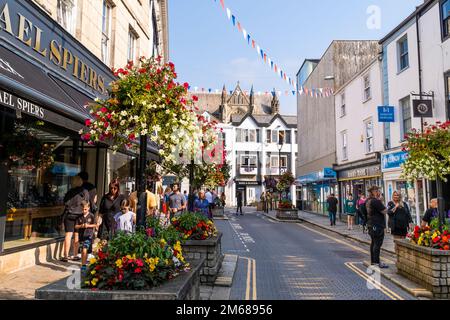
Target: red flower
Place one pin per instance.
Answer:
(132, 136)
(148, 86)
(138, 270)
(88, 122)
(106, 124)
(104, 110)
(109, 116)
(139, 263)
(86, 137)
(186, 85)
(142, 70)
(195, 98)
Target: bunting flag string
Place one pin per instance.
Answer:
(313, 92)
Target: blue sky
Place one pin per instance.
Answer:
(208, 51)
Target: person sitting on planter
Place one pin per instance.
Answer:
(125, 219)
(350, 210)
(201, 204)
(85, 226)
(399, 216)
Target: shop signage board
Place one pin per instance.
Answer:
(360, 172)
(386, 114)
(325, 174)
(24, 26)
(393, 161)
(423, 108)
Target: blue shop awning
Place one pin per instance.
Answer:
(322, 175)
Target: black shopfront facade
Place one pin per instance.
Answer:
(47, 80)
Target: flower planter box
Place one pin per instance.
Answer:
(287, 214)
(211, 251)
(186, 286)
(218, 212)
(425, 266)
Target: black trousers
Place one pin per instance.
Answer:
(377, 235)
(239, 207)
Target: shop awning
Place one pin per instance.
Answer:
(322, 175)
(27, 80)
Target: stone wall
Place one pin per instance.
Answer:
(287, 214)
(211, 250)
(425, 266)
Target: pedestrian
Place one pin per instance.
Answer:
(201, 204)
(73, 209)
(332, 202)
(376, 222)
(431, 213)
(186, 196)
(350, 210)
(268, 201)
(263, 201)
(239, 203)
(91, 189)
(399, 216)
(176, 202)
(109, 206)
(151, 200)
(125, 219)
(361, 210)
(85, 226)
(223, 199)
(209, 197)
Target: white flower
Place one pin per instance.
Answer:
(92, 132)
(122, 123)
(81, 131)
(123, 113)
(144, 132)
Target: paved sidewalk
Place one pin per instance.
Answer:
(341, 228)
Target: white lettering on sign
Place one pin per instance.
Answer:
(21, 104)
(7, 67)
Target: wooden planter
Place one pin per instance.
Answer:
(186, 286)
(211, 251)
(287, 214)
(425, 266)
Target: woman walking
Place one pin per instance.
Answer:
(399, 216)
(109, 207)
(361, 210)
(350, 210)
(73, 201)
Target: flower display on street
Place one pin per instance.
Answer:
(146, 100)
(431, 237)
(194, 226)
(428, 153)
(138, 261)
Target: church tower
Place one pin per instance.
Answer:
(223, 105)
(275, 103)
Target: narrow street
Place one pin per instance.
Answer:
(295, 261)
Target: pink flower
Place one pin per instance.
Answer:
(139, 263)
(103, 110)
(186, 85)
(138, 270)
(86, 137)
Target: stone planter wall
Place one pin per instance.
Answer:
(427, 267)
(218, 212)
(285, 214)
(211, 251)
(186, 286)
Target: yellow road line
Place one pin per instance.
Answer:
(254, 280)
(251, 279)
(391, 294)
(342, 242)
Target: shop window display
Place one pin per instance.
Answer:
(39, 163)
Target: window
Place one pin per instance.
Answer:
(283, 161)
(295, 137)
(343, 111)
(132, 40)
(258, 135)
(344, 145)
(248, 161)
(445, 13)
(367, 90)
(274, 136)
(274, 161)
(281, 136)
(403, 56)
(268, 136)
(405, 109)
(106, 31)
(368, 126)
(238, 135)
(66, 14)
(287, 137)
(275, 164)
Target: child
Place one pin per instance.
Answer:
(126, 219)
(85, 226)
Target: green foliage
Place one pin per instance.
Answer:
(194, 226)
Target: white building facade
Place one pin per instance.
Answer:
(416, 65)
(359, 135)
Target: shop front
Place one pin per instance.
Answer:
(250, 190)
(412, 192)
(315, 189)
(47, 80)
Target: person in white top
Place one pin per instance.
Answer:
(209, 197)
(125, 219)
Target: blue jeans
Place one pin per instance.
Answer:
(332, 216)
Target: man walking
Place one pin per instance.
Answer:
(332, 202)
(177, 202)
(376, 223)
(239, 203)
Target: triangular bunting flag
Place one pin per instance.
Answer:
(248, 38)
(228, 14)
(234, 19)
(222, 3)
(245, 33)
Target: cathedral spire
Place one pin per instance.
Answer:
(275, 103)
(252, 97)
(224, 95)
